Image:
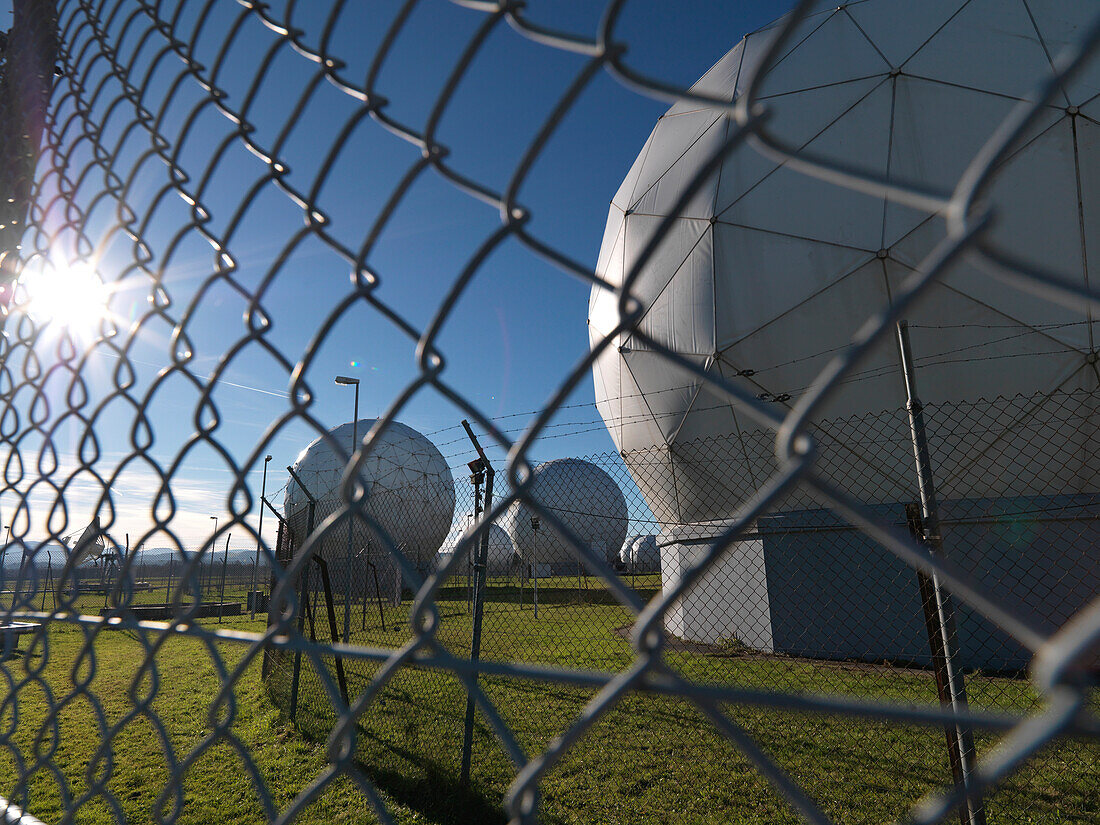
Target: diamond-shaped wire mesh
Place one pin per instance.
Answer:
(779, 665)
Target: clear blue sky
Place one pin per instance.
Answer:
(520, 326)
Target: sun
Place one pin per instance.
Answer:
(70, 296)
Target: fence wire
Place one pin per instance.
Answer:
(821, 694)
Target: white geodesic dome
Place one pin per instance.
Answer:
(585, 498)
(641, 555)
(410, 492)
(501, 556)
(767, 272)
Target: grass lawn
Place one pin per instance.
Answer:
(651, 760)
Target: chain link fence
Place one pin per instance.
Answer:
(804, 601)
(836, 649)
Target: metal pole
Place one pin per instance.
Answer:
(168, 587)
(333, 632)
(345, 380)
(259, 535)
(535, 561)
(351, 524)
(303, 602)
(4, 551)
(47, 580)
(225, 563)
(213, 550)
(479, 599)
(941, 620)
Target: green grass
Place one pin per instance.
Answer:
(651, 760)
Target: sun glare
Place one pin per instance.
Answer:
(73, 297)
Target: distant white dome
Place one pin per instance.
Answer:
(628, 545)
(767, 272)
(410, 491)
(585, 498)
(502, 552)
(642, 555)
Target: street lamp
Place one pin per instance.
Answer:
(213, 538)
(259, 535)
(354, 382)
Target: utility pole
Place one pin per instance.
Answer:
(27, 62)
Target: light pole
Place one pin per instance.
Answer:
(259, 535)
(354, 382)
(213, 550)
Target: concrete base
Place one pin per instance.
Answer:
(730, 603)
(10, 633)
(808, 584)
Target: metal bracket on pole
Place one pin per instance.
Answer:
(481, 465)
(939, 611)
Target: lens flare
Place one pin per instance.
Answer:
(73, 296)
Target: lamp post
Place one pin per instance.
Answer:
(213, 550)
(259, 538)
(354, 382)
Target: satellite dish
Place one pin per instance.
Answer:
(88, 545)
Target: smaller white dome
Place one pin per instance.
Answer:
(581, 495)
(501, 557)
(642, 556)
(624, 551)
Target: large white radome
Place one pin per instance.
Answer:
(581, 495)
(410, 491)
(770, 270)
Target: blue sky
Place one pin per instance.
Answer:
(518, 329)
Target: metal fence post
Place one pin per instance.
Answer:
(302, 607)
(259, 539)
(480, 561)
(168, 587)
(940, 612)
(282, 536)
(225, 563)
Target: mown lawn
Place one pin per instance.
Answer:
(651, 760)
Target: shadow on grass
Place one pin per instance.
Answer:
(410, 778)
(435, 794)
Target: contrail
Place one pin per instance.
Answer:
(197, 377)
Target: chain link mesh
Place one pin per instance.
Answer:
(819, 704)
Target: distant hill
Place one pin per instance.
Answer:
(56, 552)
